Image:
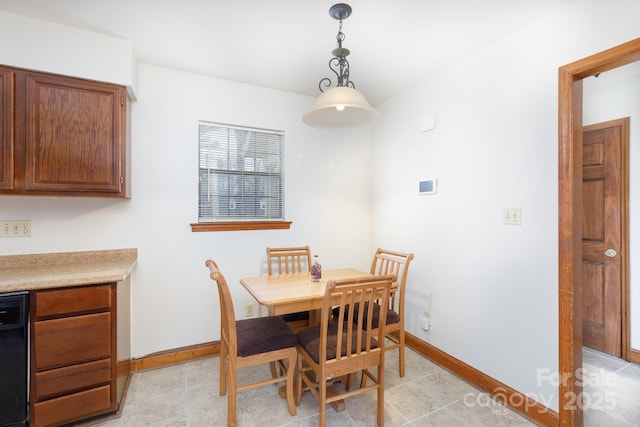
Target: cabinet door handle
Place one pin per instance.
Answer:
(610, 253)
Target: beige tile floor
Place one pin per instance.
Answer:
(187, 395)
(611, 391)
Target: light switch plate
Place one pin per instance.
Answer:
(512, 216)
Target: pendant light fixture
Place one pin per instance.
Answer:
(341, 105)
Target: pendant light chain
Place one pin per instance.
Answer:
(339, 63)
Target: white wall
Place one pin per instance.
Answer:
(45, 46)
(492, 289)
(327, 196)
(614, 95)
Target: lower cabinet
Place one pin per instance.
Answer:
(73, 354)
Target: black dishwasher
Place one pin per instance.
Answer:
(13, 358)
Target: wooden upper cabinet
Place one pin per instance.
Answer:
(70, 137)
(7, 77)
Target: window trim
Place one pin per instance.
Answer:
(240, 225)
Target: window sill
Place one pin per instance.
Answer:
(241, 225)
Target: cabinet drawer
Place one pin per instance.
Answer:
(72, 407)
(72, 300)
(55, 382)
(76, 339)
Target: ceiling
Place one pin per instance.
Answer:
(287, 44)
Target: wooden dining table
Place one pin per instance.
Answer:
(294, 292)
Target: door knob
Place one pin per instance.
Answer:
(610, 253)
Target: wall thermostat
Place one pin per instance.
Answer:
(428, 186)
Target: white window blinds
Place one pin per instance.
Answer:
(241, 173)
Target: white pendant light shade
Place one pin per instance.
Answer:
(340, 106)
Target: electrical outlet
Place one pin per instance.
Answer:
(425, 324)
(13, 228)
(248, 310)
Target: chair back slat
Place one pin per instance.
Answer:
(288, 260)
(228, 331)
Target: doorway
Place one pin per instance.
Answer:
(605, 248)
(570, 219)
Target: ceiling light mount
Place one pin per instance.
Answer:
(341, 105)
(340, 11)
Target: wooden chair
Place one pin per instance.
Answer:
(334, 349)
(293, 260)
(288, 260)
(397, 263)
(251, 342)
(392, 262)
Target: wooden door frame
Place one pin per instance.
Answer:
(570, 218)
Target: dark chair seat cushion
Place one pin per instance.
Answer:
(309, 340)
(263, 334)
(292, 317)
(392, 316)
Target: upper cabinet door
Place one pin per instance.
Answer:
(7, 79)
(75, 135)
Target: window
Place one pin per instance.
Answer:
(240, 176)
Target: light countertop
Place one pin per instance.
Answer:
(54, 270)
